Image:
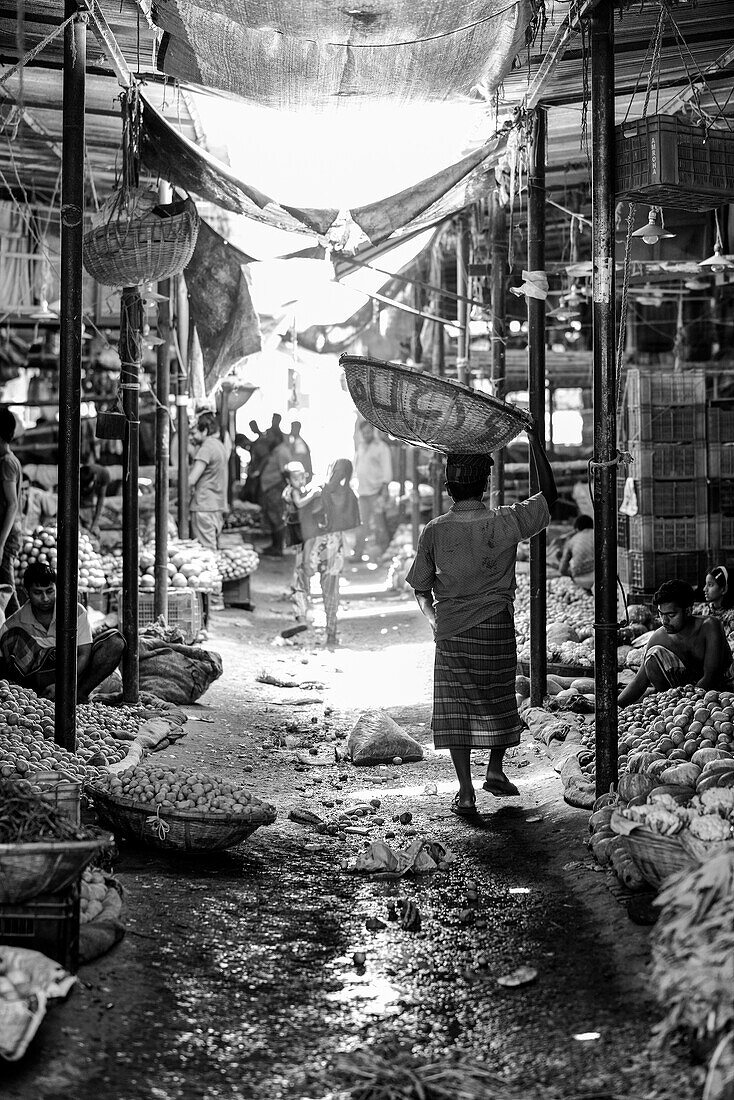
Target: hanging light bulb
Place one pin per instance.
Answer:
(654, 231)
(45, 313)
(573, 298)
(717, 262)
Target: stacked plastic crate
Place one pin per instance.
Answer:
(720, 447)
(664, 424)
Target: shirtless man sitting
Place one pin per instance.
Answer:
(686, 649)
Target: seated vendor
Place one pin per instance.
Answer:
(28, 641)
(577, 559)
(686, 649)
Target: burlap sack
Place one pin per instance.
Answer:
(177, 673)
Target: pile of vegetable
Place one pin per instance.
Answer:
(242, 515)
(41, 546)
(27, 731)
(190, 565)
(165, 787)
(693, 956)
(26, 818)
(100, 898)
(112, 566)
(236, 562)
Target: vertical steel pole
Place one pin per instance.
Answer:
(437, 366)
(536, 386)
(182, 406)
(162, 437)
(462, 308)
(70, 374)
(131, 354)
(498, 228)
(605, 394)
(417, 357)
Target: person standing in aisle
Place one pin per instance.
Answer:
(300, 449)
(463, 576)
(11, 476)
(373, 471)
(208, 483)
(273, 480)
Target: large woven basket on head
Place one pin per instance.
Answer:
(27, 870)
(126, 252)
(430, 412)
(179, 830)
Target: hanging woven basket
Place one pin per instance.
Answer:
(426, 411)
(129, 251)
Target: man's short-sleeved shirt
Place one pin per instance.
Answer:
(11, 471)
(23, 638)
(466, 558)
(210, 491)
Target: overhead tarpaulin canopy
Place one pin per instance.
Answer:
(168, 153)
(221, 306)
(317, 54)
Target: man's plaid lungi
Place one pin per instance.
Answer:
(474, 703)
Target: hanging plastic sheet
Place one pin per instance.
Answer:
(304, 55)
(168, 153)
(221, 305)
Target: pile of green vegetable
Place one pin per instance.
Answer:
(27, 818)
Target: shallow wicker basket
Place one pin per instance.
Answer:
(141, 250)
(431, 412)
(27, 870)
(179, 830)
(658, 857)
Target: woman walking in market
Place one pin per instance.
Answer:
(463, 576)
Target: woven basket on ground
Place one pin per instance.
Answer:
(126, 252)
(27, 870)
(431, 412)
(658, 857)
(179, 830)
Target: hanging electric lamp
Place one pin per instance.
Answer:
(717, 262)
(654, 231)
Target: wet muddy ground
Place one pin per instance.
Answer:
(236, 979)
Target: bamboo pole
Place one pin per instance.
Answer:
(162, 438)
(131, 354)
(605, 392)
(182, 406)
(498, 229)
(536, 386)
(70, 374)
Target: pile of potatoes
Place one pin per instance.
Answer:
(175, 788)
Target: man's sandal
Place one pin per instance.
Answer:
(500, 788)
(463, 811)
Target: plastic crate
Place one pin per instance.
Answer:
(63, 793)
(720, 423)
(721, 460)
(661, 387)
(669, 533)
(669, 498)
(623, 531)
(721, 536)
(237, 593)
(666, 461)
(666, 423)
(48, 923)
(642, 571)
(721, 497)
(667, 161)
(184, 611)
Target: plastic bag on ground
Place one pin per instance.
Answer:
(28, 980)
(377, 739)
(419, 858)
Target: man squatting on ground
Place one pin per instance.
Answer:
(28, 641)
(686, 649)
(464, 581)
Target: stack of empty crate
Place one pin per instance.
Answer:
(720, 444)
(664, 429)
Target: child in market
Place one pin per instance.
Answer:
(302, 511)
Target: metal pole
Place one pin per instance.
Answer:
(162, 437)
(605, 394)
(131, 354)
(416, 349)
(70, 374)
(536, 386)
(462, 309)
(182, 406)
(499, 328)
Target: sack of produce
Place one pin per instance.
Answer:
(99, 914)
(177, 673)
(377, 739)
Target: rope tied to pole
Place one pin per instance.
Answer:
(31, 55)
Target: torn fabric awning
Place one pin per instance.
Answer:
(221, 305)
(172, 156)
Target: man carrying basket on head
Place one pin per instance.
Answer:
(464, 581)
